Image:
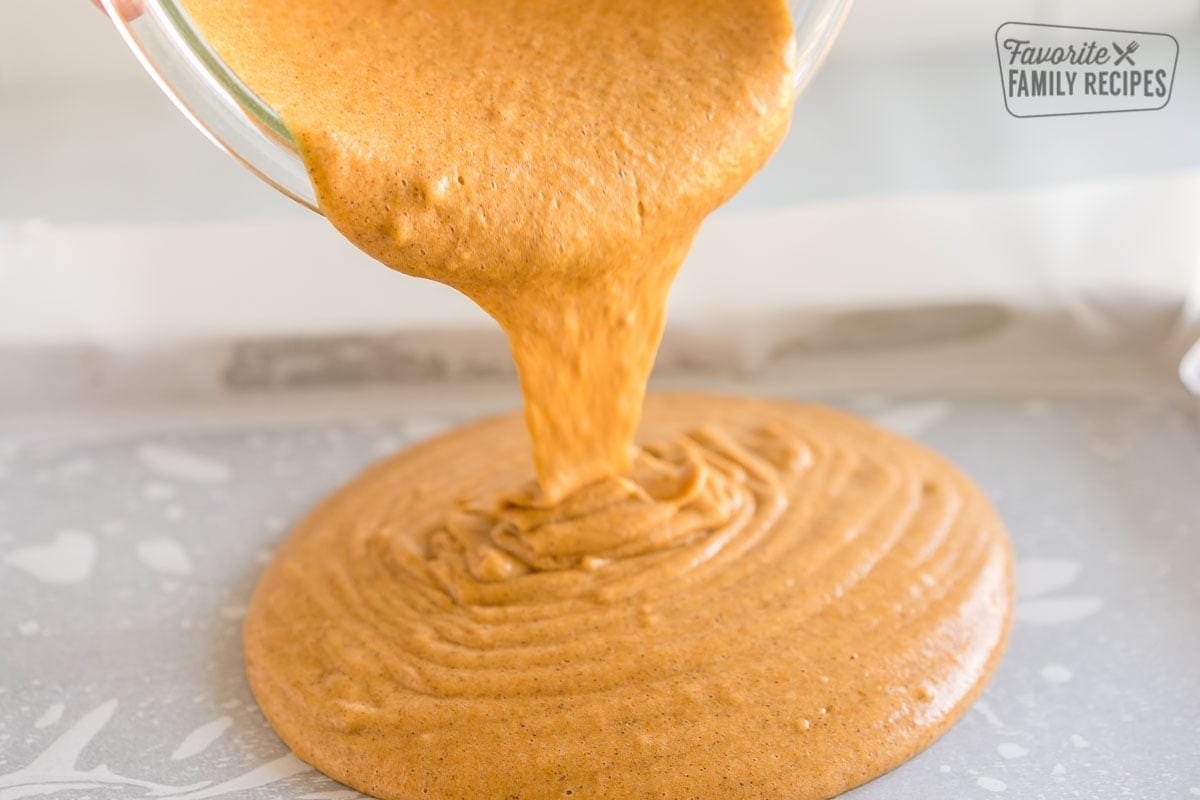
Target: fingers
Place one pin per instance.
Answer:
(128, 9)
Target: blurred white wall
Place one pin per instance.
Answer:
(97, 168)
(908, 102)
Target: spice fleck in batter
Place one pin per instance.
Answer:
(759, 599)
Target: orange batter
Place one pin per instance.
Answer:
(762, 600)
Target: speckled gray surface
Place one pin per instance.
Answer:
(126, 563)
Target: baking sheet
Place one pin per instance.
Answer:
(127, 557)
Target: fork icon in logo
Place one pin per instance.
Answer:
(1126, 54)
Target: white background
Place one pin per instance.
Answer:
(120, 223)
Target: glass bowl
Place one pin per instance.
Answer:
(225, 110)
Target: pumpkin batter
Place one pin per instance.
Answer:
(762, 600)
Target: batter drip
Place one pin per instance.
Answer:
(760, 600)
(551, 159)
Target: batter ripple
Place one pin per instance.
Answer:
(778, 600)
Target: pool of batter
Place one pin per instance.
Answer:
(687, 596)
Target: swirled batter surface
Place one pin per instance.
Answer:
(758, 600)
(777, 601)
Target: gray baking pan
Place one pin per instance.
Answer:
(131, 535)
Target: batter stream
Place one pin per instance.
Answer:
(760, 599)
